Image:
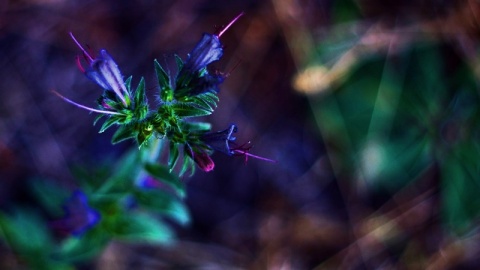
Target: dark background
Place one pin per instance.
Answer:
(294, 214)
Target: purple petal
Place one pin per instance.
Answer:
(221, 140)
(104, 71)
(208, 50)
(79, 216)
(97, 78)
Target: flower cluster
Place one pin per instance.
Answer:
(192, 92)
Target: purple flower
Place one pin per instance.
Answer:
(193, 79)
(221, 140)
(224, 141)
(104, 71)
(79, 216)
(201, 158)
(208, 50)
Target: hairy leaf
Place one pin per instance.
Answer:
(189, 110)
(173, 155)
(108, 123)
(124, 132)
(128, 83)
(140, 97)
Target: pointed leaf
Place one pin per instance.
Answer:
(140, 97)
(173, 155)
(128, 83)
(162, 76)
(204, 104)
(108, 123)
(179, 62)
(98, 118)
(123, 133)
(189, 110)
(207, 100)
(163, 174)
(188, 164)
(166, 91)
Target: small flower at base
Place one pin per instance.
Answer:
(79, 216)
(223, 141)
(201, 158)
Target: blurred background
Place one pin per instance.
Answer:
(370, 107)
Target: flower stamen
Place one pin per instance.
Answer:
(230, 24)
(85, 53)
(244, 150)
(84, 107)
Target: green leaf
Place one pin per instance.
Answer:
(210, 96)
(124, 132)
(188, 164)
(201, 103)
(140, 97)
(108, 123)
(162, 76)
(98, 118)
(207, 100)
(128, 83)
(163, 203)
(166, 91)
(179, 62)
(142, 228)
(189, 110)
(164, 175)
(173, 155)
(77, 249)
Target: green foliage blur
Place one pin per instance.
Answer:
(397, 106)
